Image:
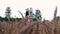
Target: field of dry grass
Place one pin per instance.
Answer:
(32, 27)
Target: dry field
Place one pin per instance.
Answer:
(32, 27)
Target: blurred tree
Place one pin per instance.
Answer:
(8, 12)
(38, 15)
(27, 12)
(31, 13)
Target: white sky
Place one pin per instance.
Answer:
(46, 7)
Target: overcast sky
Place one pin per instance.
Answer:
(46, 7)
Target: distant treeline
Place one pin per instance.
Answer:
(29, 13)
(11, 19)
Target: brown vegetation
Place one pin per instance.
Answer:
(32, 27)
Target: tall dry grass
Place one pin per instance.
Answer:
(32, 27)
